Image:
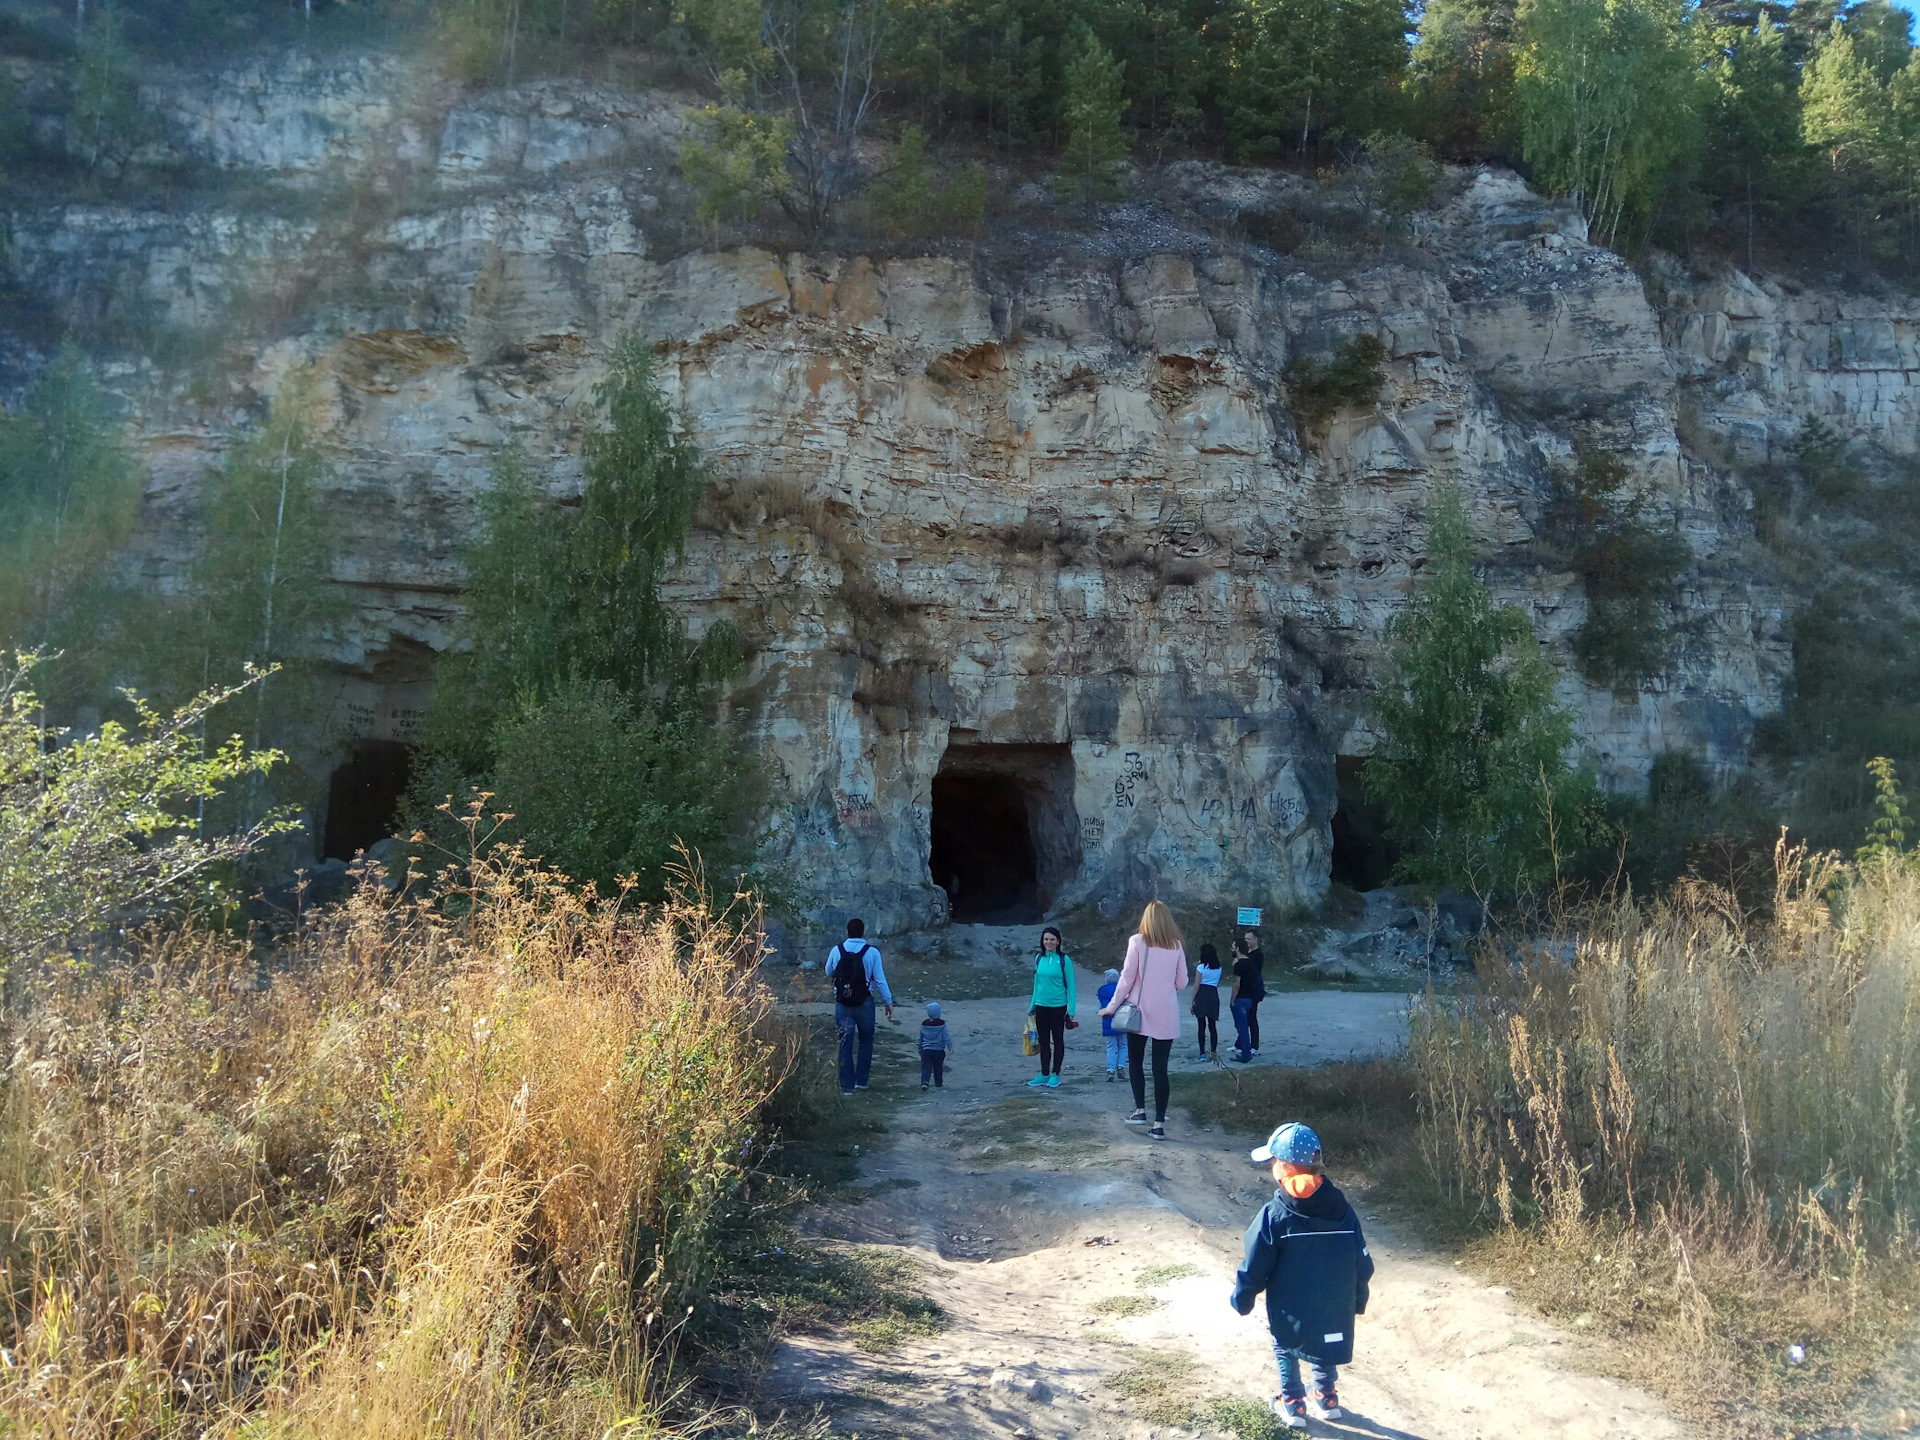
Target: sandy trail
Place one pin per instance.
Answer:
(1024, 1219)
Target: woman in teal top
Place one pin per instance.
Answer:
(1053, 1003)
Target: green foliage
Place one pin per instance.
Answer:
(573, 694)
(1597, 519)
(602, 788)
(98, 829)
(1352, 377)
(1091, 110)
(1753, 151)
(909, 202)
(1166, 53)
(905, 201)
(69, 497)
(1887, 834)
(1397, 177)
(962, 203)
(261, 594)
(1460, 79)
(1303, 68)
(552, 599)
(736, 162)
(1819, 452)
(1470, 769)
(1610, 96)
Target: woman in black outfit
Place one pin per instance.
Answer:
(1249, 989)
(1206, 1000)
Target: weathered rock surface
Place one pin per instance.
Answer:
(1045, 492)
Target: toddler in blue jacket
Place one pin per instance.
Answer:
(1306, 1251)
(1116, 1043)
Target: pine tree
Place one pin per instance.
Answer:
(1091, 111)
(1470, 765)
(1301, 69)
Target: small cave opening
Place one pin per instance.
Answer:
(364, 797)
(1363, 856)
(1005, 833)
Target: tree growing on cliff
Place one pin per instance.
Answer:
(1610, 96)
(1299, 69)
(574, 694)
(1471, 769)
(1091, 109)
(801, 84)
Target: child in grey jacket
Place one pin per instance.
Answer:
(936, 1043)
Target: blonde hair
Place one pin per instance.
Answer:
(1157, 927)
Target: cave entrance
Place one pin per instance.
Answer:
(364, 797)
(1363, 857)
(1005, 833)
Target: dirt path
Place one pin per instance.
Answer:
(1028, 1208)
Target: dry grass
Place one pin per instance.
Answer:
(1125, 1307)
(1695, 1133)
(449, 1169)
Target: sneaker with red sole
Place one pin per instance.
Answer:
(1292, 1413)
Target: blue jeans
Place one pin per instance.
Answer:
(1325, 1377)
(852, 1020)
(1242, 1030)
(1116, 1052)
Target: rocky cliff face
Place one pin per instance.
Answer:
(1027, 544)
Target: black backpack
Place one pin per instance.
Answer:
(850, 981)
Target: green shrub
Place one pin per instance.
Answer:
(600, 788)
(1596, 519)
(95, 829)
(1352, 377)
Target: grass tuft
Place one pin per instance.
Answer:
(1126, 1307)
(1155, 1276)
(1160, 1385)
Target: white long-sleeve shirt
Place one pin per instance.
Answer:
(869, 956)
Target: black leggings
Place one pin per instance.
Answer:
(1051, 1022)
(1209, 1025)
(1136, 1072)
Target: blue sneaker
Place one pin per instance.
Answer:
(1053, 1082)
(1038, 1080)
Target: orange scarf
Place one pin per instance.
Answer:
(1302, 1185)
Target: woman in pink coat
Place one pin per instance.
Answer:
(1152, 978)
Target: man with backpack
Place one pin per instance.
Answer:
(853, 966)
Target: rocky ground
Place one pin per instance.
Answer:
(1085, 1268)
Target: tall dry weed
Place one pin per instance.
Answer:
(1700, 1127)
(453, 1168)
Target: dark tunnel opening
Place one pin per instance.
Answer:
(1363, 856)
(363, 798)
(1005, 834)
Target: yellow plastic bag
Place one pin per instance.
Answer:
(1030, 1037)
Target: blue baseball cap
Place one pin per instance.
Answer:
(1291, 1142)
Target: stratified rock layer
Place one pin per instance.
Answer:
(1046, 491)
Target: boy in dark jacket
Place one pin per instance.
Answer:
(1306, 1251)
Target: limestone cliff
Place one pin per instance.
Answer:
(1024, 521)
